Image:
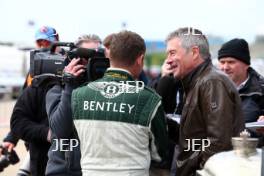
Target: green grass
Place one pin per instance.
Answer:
(154, 59)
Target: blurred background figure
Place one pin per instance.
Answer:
(44, 37)
(29, 118)
(234, 60)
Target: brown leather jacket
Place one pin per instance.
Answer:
(212, 111)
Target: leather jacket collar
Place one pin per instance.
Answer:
(190, 80)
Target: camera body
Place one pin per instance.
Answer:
(7, 158)
(47, 62)
(44, 62)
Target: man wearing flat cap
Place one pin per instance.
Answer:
(234, 60)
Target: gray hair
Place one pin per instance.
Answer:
(88, 38)
(191, 37)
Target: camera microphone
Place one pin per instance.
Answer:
(81, 53)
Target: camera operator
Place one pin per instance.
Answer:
(29, 118)
(64, 161)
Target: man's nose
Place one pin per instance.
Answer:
(224, 67)
(168, 60)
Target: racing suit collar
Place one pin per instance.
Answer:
(119, 73)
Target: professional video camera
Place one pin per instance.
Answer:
(47, 62)
(7, 158)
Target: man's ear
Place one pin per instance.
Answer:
(195, 52)
(140, 60)
(246, 67)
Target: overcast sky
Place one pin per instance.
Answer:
(152, 19)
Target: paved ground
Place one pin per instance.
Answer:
(6, 107)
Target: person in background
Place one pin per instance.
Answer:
(29, 118)
(44, 37)
(234, 60)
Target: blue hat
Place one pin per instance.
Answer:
(46, 33)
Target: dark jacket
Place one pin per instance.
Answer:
(61, 162)
(29, 122)
(252, 96)
(171, 93)
(10, 137)
(167, 87)
(211, 111)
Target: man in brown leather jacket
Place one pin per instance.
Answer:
(211, 114)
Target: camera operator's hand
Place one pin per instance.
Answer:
(166, 69)
(74, 67)
(8, 145)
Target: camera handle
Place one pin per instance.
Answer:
(65, 44)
